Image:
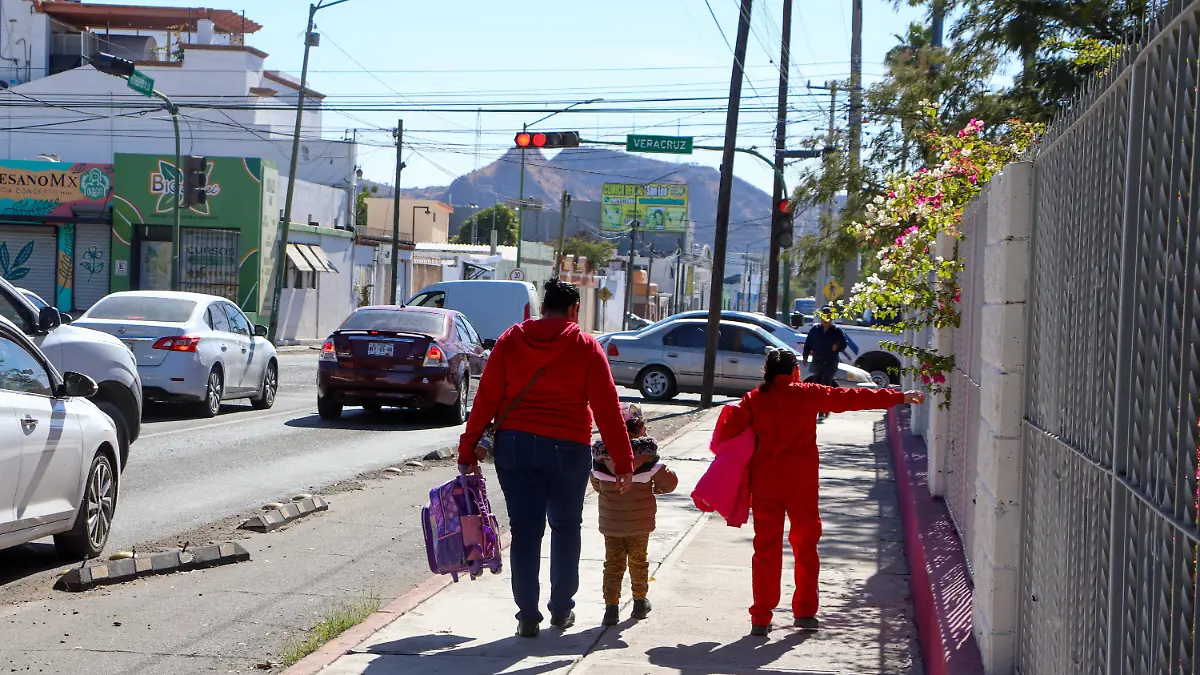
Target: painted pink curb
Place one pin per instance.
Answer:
(940, 586)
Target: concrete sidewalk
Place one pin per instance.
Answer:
(700, 570)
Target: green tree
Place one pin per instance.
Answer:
(360, 205)
(498, 217)
(598, 252)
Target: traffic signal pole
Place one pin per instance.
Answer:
(521, 200)
(395, 281)
(777, 190)
(724, 193)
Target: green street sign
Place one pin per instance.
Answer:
(141, 83)
(671, 145)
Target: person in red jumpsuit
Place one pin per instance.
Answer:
(783, 476)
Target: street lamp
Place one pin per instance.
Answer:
(124, 69)
(414, 221)
(521, 189)
(475, 228)
(311, 40)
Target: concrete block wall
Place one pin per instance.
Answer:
(997, 540)
(938, 437)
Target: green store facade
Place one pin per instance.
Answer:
(228, 244)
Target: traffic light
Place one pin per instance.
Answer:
(195, 182)
(112, 65)
(785, 219)
(547, 139)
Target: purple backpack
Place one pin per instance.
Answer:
(461, 534)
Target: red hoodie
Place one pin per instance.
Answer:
(577, 378)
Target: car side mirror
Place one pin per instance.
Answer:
(489, 344)
(260, 331)
(77, 385)
(49, 318)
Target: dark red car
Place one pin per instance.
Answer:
(404, 357)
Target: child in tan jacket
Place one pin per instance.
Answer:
(627, 519)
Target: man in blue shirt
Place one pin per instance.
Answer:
(824, 344)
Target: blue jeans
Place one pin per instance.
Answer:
(543, 478)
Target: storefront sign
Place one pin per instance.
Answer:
(164, 183)
(49, 191)
(658, 207)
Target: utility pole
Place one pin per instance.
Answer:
(678, 304)
(562, 229)
(311, 40)
(649, 274)
(786, 304)
(780, 138)
(629, 276)
(938, 24)
(521, 201)
(724, 192)
(853, 188)
(399, 134)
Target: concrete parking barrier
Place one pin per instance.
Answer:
(273, 519)
(128, 569)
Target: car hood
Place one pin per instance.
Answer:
(69, 333)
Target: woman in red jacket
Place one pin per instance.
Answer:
(558, 377)
(783, 476)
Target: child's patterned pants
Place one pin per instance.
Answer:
(618, 551)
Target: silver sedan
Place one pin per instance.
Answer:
(191, 348)
(666, 360)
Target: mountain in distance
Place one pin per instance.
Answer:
(582, 171)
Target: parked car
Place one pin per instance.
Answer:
(668, 359)
(60, 459)
(71, 348)
(866, 351)
(491, 306)
(407, 357)
(190, 347)
(39, 303)
(785, 333)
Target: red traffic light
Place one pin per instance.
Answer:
(548, 139)
(785, 206)
(539, 140)
(524, 140)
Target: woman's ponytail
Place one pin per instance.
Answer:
(780, 362)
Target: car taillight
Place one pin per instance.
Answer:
(327, 353)
(434, 357)
(528, 311)
(612, 350)
(177, 344)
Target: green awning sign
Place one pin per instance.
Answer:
(672, 145)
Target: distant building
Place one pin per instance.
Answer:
(423, 221)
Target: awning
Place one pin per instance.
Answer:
(316, 254)
(301, 263)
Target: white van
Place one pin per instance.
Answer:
(492, 307)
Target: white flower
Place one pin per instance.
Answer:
(878, 199)
(966, 152)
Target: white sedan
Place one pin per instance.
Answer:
(59, 456)
(190, 348)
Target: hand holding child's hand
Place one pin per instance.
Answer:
(624, 482)
(914, 397)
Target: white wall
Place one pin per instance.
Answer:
(324, 205)
(312, 314)
(24, 36)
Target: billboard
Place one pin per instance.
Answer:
(49, 191)
(657, 207)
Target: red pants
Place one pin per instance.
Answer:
(805, 532)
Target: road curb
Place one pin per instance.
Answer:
(938, 580)
(273, 519)
(344, 643)
(128, 569)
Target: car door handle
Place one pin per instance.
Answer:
(244, 350)
(29, 423)
(673, 355)
(732, 360)
(224, 348)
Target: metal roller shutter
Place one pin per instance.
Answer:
(93, 245)
(29, 258)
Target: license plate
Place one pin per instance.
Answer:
(131, 344)
(381, 349)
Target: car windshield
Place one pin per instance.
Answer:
(428, 323)
(142, 308)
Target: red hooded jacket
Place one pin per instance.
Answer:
(577, 377)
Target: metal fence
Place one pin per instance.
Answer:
(963, 440)
(1108, 547)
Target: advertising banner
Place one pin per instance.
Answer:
(657, 207)
(49, 190)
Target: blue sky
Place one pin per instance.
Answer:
(425, 54)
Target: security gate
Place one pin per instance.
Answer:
(29, 258)
(92, 260)
(210, 262)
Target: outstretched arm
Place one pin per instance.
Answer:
(836, 399)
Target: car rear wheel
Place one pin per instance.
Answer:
(94, 520)
(214, 391)
(270, 387)
(328, 409)
(881, 379)
(657, 384)
(456, 413)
